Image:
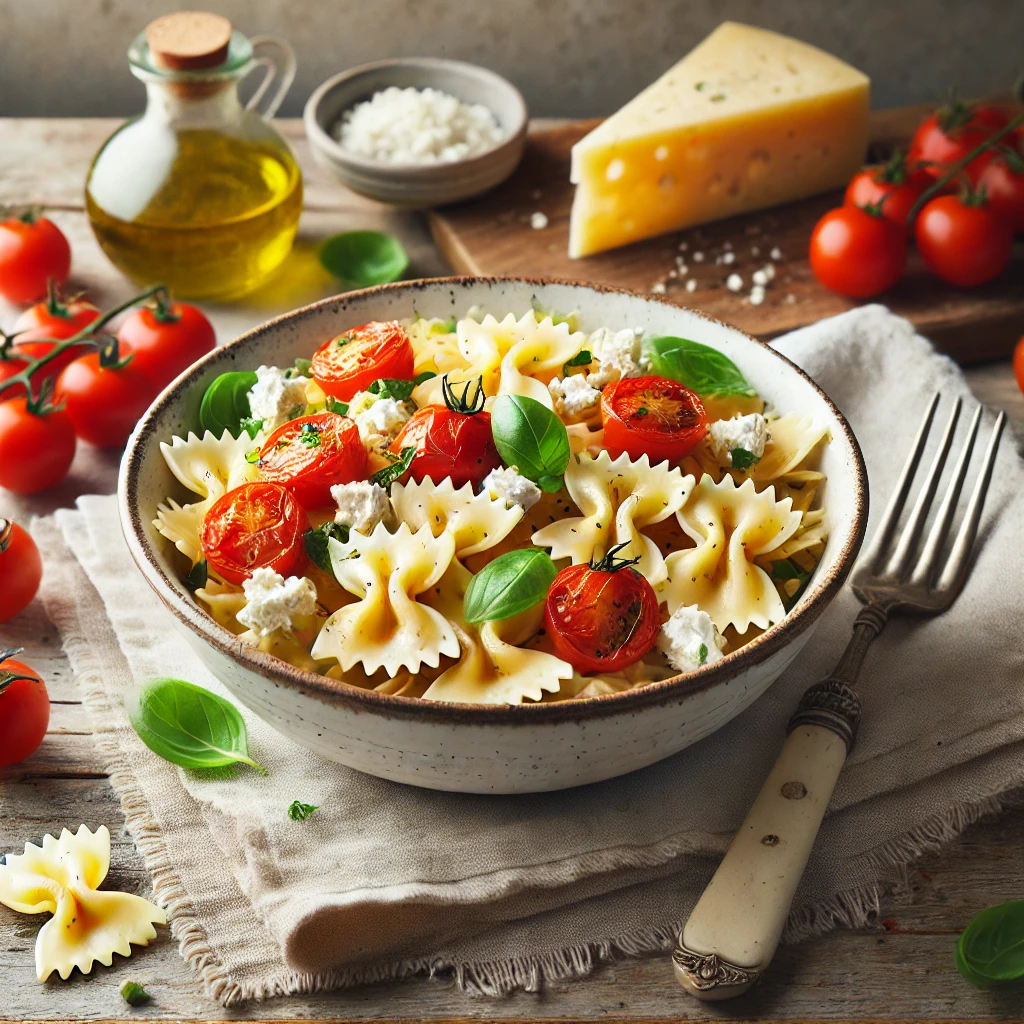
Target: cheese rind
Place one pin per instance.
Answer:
(748, 119)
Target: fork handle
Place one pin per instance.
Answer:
(732, 933)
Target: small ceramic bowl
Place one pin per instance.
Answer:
(477, 748)
(418, 185)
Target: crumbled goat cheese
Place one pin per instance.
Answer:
(776, 253)
(538, 221)
(747, 432)
(361, 504)
(275, 397)
(273, 602)
(734, 282)
(573, 395)
(417, 126)
(689, 639)
(616, 353)
(379, 419)
(505, 482)
(658, 288)
(691, 285)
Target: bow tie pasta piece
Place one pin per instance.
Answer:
(792, 438)
(618, 498)
(181, 525)
(61, 878)
(495, 670)
(731, 525)
(435, 349)
(388, 628)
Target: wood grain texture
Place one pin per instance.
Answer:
(899, 968)
(492, 235)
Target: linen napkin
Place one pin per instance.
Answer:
(505, 892)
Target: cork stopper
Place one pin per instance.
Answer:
(189, 40)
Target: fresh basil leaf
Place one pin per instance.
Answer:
(509, 584)
(226, 402)
(785, 570)
(582, 358)
(556, 318)
(702, 655)
(250, 426)
(333, 405)
(300, 368)
(134, 994)
(187, 725)
(992, 946)
(530, 437)
(389, 474)
(702, 369)
(743, 459)
(364, 258)
(399, 390)
(316, 539)
(299, 811)
(198, 575)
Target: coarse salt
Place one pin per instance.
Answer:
(776, 253)
(734, 282)
(658, 288)
(538, 221)
(698, 257)
(691, 285)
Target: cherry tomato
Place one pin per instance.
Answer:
(891, 188)
(33, 250)
(354, 360)
(1004, 192)
(21, 569)
(24, 711)
(1018, 364)
(9, 366)
(857, 253)
(255, 525)
(603, 616)
(652, 416)
(951, 133)
(104, 403)
(451, 440)
(167, 340)
(36, 449)
(311, 454)
(962, 242)
(40, 326)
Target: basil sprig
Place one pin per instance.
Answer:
(389, 474)
(743, 459)
(298, 811)
(990, 953)
(704, 370)
(226, 402)
(399, 390)
(187, 725)
(582, 358)
(316, 538)
(529, 436)
(510, 584)
(783, 571)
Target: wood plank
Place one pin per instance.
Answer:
(492, 235)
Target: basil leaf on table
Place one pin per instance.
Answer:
(990, 953)
(529, 436)
(510, 584)
(364, 258)
(298, 811)
(704, 370)
(187, 725)
(226, 402)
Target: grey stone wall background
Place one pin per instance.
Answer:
(569, 57)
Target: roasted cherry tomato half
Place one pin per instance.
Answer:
(890, 188)
(962, 241)
(311, 454)
(951, 133)
(254, 526)
(36, 449)
(21, 569)
(167, 339)
(451, 440)
(652, 416)
(352, 361)
(858, 253)
(602, 616)
(24, 709)
(33, 251)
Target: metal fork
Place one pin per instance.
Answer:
(733, 931)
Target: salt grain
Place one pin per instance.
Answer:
(756, 296)
(759, 277)
(734, 282)
(658, 288)
(683, 246)
(776, 253)
(790, 299)
(729, 257)
(691, 285)
(727, 246)
(755, 250)
(698, 257)
(538, 221)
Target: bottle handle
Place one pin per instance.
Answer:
(278, 58)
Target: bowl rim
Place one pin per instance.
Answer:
(282, 673)
(318, 137)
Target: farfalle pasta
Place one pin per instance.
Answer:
(519, 510)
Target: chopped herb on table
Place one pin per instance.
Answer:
(299, 811)
(134, 994)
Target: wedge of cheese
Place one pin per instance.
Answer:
(748, 119)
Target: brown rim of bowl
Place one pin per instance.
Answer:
(280, 672)
(327, 141)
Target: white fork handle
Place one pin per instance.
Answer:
(732, 934)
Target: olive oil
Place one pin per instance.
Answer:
(209, 213)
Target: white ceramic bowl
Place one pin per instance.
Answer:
(418, 185)
(482, 748)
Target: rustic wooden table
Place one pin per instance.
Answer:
(901, 967)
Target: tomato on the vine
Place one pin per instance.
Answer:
(451, 440)
(951, 133)
(1003, 182)
(962, 241)
(33, 251)
(311, 454)
(166, 339)
(602, 616)
(891, 188)
(254, 526)
(21, 569)
(41, 326)
(352, 361)
(36, 448)
(105, 402)
(24, 709)
(857, 253)
(652, 416)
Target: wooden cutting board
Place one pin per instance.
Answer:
(492, 235)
